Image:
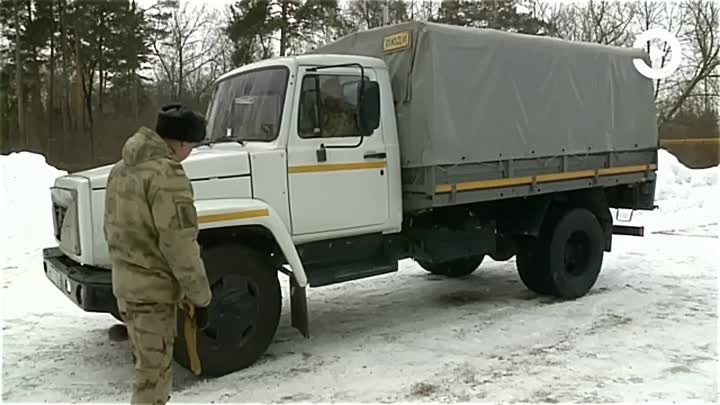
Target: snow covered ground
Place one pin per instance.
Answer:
(648, 330)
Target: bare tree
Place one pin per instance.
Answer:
(19, 75)
(65, 102)
(608, 22)
(602, 22)
(693, 22)
(187, 48)
(668, 15)
(217, 48)
(424, 10)
(703, 61)
(51, 96)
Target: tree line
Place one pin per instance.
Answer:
(77, 77)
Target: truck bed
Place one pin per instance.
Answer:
(468, 95)
(485, 114)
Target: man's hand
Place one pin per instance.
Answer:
(201, 318)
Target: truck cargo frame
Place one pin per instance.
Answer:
(440, 186)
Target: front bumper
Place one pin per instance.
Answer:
(90, 288)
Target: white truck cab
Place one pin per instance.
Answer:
(270, 166)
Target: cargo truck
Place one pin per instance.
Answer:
(440, 144)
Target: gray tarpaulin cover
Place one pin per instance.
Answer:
(465, 95)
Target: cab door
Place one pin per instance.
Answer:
(338, 180)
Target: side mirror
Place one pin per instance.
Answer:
(369, 111)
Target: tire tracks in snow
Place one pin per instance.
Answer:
(510, 365)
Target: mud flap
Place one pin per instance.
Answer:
(298, 308)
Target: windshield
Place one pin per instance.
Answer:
(248, 107)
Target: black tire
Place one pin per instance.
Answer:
(505, 249)
(118, 333)
(576, 253)
(454, 268)
(532, 268)
(243, 314)
(567, 258)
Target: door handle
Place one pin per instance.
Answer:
(375, 155)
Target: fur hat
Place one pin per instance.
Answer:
(178, 122)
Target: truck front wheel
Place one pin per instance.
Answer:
(453, 268)
(243, 314)
(566, 259)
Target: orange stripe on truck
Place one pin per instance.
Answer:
(335, 167)
(205, 219)
(542, 178)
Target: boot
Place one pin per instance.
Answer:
(118, 333)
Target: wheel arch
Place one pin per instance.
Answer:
(253, 223)
(255, 236)
(525, 217)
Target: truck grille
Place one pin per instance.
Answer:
(65, 219)
(58, 217)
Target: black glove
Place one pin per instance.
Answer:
(201, 318)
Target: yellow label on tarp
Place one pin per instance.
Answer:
(396, 42)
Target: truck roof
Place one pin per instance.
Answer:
(307, 60)
(472, 37)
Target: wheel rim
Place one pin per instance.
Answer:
(233, 318)
(577, 253)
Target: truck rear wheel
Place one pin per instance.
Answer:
(566, 259)
(243, 314)
(532, 268)
(454, 268)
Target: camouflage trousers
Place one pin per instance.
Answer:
(151, 335)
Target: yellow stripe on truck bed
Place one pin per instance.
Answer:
(542, 178)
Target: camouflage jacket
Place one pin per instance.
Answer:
(151, 226)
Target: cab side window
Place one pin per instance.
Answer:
(328, 106)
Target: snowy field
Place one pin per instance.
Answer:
(647, 331)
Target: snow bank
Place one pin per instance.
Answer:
(675, 181)
(686, 199)
(25, 206)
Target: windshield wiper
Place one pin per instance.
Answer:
(206, 142)
(210, 142)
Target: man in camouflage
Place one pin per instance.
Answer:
(151, 230)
